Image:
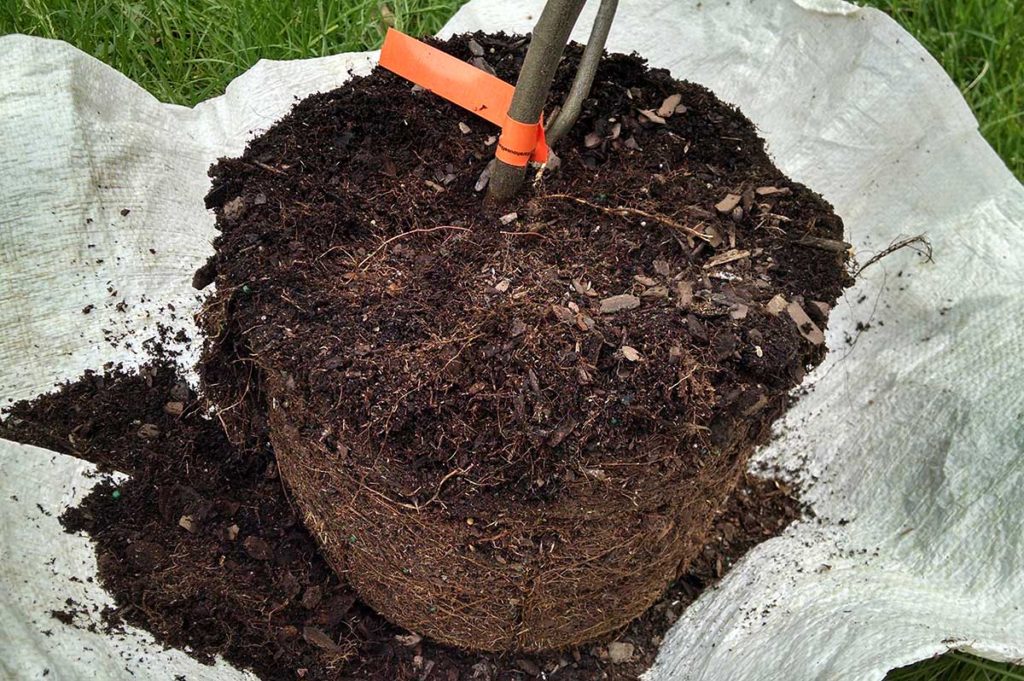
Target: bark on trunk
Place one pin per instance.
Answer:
(546, 45)
(566, 118)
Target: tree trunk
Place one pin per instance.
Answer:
(546, 45)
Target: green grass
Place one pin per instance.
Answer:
(957, 667)
(185, 51)
(980, 43)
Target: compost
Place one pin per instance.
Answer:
(202, 548)
(425, 419)
(511, 427)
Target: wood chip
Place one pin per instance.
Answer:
(232, 532)
(483, 65)
(776, 304)
(485, 177)
(739, 312)
(823, 308)
(630, 353)
(583, 289)
(808, 329)
(726, 205)
(675, 355)
(619, 652)
(772, 191)
(617, 303)
(646, 281)
(149, 431)
(174, 408)
(655, 292)
(475, 48)
(668, 107)
(747, 201)
(727, 257)
(234, 208)
(508, 218)
(592, 140)
(465, 128)
(408, 640)
(584, 322)
(824, 244)
(502, 285)
(434, 185)
(312, 597)
(563, 314)
(316, 637)
(652, 116)
(661, 267)
(684, 294)
(715, 236)
(188, 523)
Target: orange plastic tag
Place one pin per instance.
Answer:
(463, 84)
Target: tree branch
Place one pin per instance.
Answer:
(563, 121)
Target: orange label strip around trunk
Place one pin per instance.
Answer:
(463, 84)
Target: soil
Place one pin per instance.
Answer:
(305, 265)
(456, 390)
(202, 548)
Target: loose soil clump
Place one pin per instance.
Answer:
(510, 428)
(201, 547)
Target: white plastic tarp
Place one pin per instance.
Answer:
(908, 446)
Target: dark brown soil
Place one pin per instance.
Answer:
(310, 278)
(266, 600)
(454, 395)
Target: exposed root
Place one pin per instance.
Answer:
(624, 211)
(918, 243)
(403, 235)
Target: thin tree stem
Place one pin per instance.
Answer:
(546, 45)
(563, 121)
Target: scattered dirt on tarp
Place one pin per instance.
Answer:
(456, 391)
(201, 547)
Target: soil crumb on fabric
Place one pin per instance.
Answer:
(201, 547)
